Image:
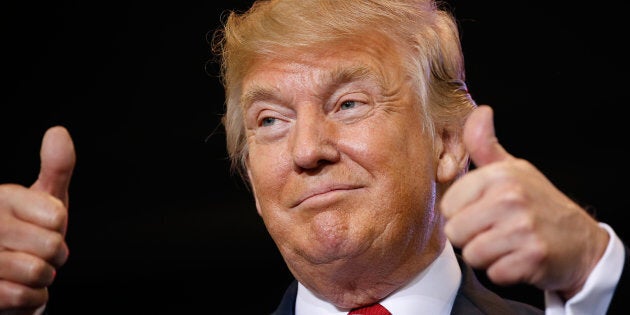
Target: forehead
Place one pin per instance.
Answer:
(332, 63)
(314, 70)
(318, 74)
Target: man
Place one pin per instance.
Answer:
(352, 122)
(347, 118)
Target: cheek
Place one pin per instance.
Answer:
(392, 150)
(401, 161)
(268, 171)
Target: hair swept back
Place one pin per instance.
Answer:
(423, 31)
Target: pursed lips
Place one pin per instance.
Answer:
(323, 190)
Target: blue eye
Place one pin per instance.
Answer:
(348, 105)
(267, 121)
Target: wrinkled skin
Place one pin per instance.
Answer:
(343, 174)
(349, 185)
(33, 223)
(511, 220)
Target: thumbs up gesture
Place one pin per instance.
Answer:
(510, 220)
(33, 223)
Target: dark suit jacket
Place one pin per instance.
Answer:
(475, 299)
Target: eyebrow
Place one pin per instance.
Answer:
(347, 74)
(335, 78)
(343, 75)
(255, 94)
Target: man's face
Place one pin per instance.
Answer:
(342, 170)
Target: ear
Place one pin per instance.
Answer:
(452, 156)
(251, 185)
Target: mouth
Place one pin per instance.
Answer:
(323, 195)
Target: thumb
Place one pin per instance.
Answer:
(57, 158)
(480, 140)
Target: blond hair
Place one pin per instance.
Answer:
(425, 35)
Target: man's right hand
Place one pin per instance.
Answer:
(33, 223)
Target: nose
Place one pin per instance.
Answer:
(314, 142)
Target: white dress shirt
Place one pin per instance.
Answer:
(599, 288)
(432, 291)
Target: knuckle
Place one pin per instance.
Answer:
(14, 296)
(471, 256)
(53, 246)
(500, 275)
(453, 234)
(38, 272)
(537, 251)
(524, 224)
(61, 255)
(57, 213)
(450, 231)
(514, 195)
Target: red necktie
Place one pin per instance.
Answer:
(374, 309)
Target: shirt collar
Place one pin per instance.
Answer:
(433, 291)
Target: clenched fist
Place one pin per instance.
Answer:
(33, 223)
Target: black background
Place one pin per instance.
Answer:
(157, 223)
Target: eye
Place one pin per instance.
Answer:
(268, 121)
(352, 107)
(348, 105)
